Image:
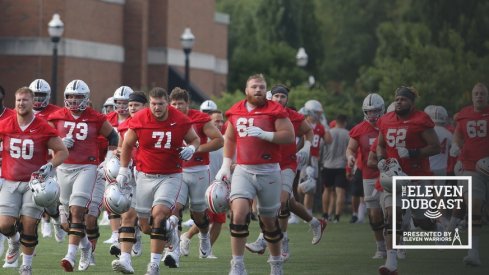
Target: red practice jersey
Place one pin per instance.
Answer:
(319, 132)
(25, 151)
(289, 158)
(84, 130)
(5, 114)
(406, 133)
(253, 150)
(49, 109)
(198, 119)
(122, 129)
(160, 141)
(365, 134)
(373, 149)
(473, 126)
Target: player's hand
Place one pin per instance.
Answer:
(68, 142)
(123, 177)
(382, 165)
(225, 172)
(454, 150)
(403, 152)
(254, 131)
(187, 152)
(350, 160)
(310, 171)
(45, 170)
(302, 159)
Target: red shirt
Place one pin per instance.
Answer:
(5, 114)
(84, 130)
(159, 141)
(198, 119)
(122, 129)
(365, 134)
(406, 133)
(473, 126)
(49, 109)
(253, 150)
(289, 158)
(319, 132)
(25, 150)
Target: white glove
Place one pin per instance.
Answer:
(310, 171)
(382, 165)
(187, 152)
(123, 177)
(350, 160)
(225, 172)
(454, 150)
(403, 152)
(254, 131)
(45, 170)
(68, 142)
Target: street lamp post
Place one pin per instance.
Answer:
(55, 29)
(187, 40)
(302, 60)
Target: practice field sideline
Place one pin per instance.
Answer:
(345, 249)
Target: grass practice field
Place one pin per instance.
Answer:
(345, 249)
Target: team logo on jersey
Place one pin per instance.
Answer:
(432, 199)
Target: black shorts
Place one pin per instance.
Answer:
(334, 177)
(357, 184)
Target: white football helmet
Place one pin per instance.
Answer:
(308, 184)
(391, 107)
(117, 200)
(208, 105)
(111, 169)
(314, 105)
(373, 102)
(108, 103)
(217, 196)
(77, 88)
(482, 166)
(121, 99)
(437, 113)
(45, 192)
(42, 93)
(392, 169)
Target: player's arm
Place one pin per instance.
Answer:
(110, 134)
(305, 131)
(216, 140)
(130, 139)
(59, 151)
(372, 160)
(284, 133)
(381, 151)
(432, 143)
(351, 151)
(229, 142)
(328, 139)
(191, 138)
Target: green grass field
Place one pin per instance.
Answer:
(345, 249)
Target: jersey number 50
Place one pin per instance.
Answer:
(21, 148)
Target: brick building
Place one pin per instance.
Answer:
(109, 43)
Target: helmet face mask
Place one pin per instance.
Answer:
(41, 100)
(77, 95)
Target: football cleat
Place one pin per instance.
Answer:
(67, 264)
(237, 268)
(13, 251)
(184, 244)
(205, 245)
(122, 267)
(153, 269)
(318, 230)
(258, 246)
